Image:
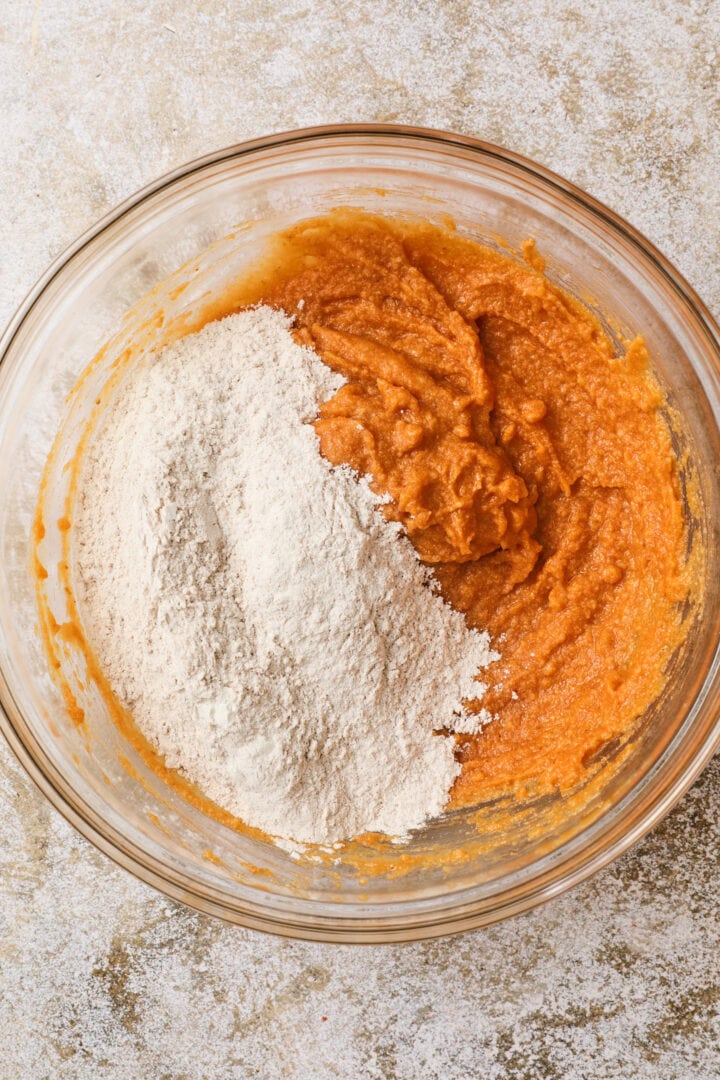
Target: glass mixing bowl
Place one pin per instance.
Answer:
(161, 256)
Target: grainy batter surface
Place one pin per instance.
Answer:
(528, 463)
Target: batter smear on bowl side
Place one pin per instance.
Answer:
(405, 536)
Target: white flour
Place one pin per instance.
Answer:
(275, 638)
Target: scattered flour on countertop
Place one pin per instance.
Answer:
(274, 637)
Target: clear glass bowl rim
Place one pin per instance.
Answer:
(610, 838)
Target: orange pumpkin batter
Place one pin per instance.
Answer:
(527, 462)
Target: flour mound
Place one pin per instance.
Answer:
(273, 636)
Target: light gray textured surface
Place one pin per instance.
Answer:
(101, 977)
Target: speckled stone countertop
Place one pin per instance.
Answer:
(99, 975)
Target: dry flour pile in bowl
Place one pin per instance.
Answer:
(273, 636)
